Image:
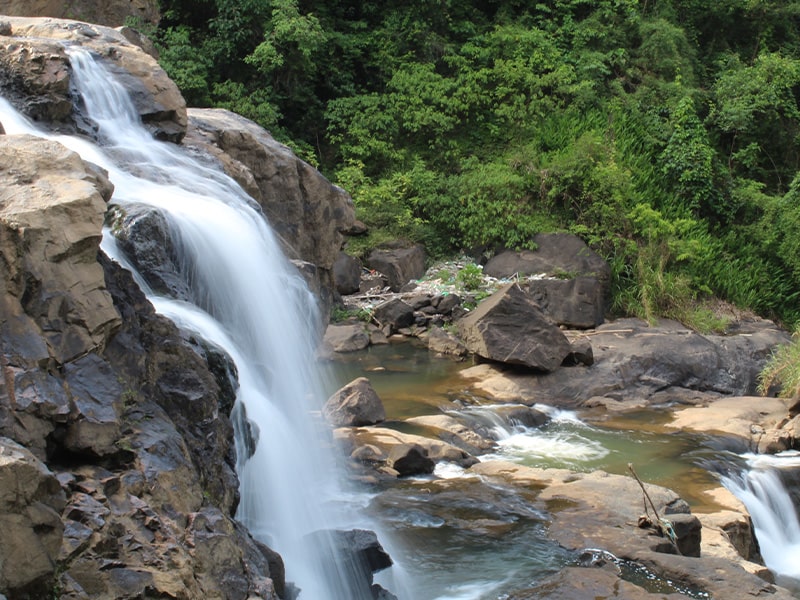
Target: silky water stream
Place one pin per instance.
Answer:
(243, 296)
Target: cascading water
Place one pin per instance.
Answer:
(247, 299)
(761, 489)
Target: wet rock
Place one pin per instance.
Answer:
(354, 405)
(508, 327)
(471, 438)
(96, 399)
(156, 98)
(409, 459)
(31, 501)
(522, 415)
(399, 262)
(442, 342)
(143, 235)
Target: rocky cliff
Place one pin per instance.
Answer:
(116, 458)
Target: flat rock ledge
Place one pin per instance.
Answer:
(597, 513)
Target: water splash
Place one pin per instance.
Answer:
(761, 489)
(247, 299)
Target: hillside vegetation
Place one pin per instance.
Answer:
(664, 133)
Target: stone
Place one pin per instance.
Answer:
(560, 254)
(52, 273)
(354, 405)
(448, 303)
(156, 97)
(469, 437)
(394, 313)
(113, 13)
(443, 342)
(576, 303)
(347, 274)
(31, 501)
(399, 262)
(346, 338)
(143, 236)
(410, 459)
(508, 327)
(307, 212)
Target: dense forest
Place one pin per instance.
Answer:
(663, 132)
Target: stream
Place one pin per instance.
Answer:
(465, 539)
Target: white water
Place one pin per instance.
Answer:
(248, 300)
(774, 516)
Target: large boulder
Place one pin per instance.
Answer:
(345, 337)
(560, 254)
(306, 210)
(31, 502)
(635, 363)
(347, 274)
(394, 314)
(509, 327)
(52, 275)
(399, 262)
(576, 303)
(35, 72)
(112, 13)
(354, 405)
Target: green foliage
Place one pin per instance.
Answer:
(470, 277)
(665, 134)
(782, 371)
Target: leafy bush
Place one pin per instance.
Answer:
(470, 277)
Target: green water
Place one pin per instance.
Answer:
(462, 539)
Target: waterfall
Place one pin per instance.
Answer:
(247, 299)
(761, 489)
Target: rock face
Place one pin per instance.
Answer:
(31, 502)
(125, 413)
(52, 276)
(113, 13)
(508, 327)
(576, 303)
(306, 211)
(35, 72)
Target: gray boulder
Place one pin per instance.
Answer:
(556, 254)
(394, 313)
(577, 303)
(347, 274)
(399, 263)
(509, 327)
(348, 337)
(354, 405)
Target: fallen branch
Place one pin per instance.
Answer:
(663, 526)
